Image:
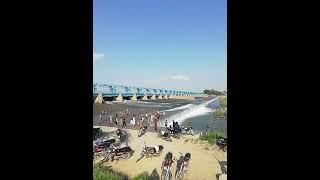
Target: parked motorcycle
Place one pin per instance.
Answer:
(187, 130)
(142, 131)
(104, 155)
(165, 135)
(122, 135)
(152, 151)
(121, 153)
(182, 166)
(174, 133)
(221, 143)
(103, 143)
(166, 167)
(97, 132)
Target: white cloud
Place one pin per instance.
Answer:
(97, 56)
(180, 77)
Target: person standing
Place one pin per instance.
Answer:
(155, 124)
(124, 123)
(166, 123)
(116, 121)
(141, 123)
(207, 128)
(100, 116)
(133, 120)
(110, 119)
(151, 118)
(121, 122)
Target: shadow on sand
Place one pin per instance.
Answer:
(154, 175)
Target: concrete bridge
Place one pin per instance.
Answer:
(110, 92)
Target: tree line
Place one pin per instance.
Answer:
(214, 92)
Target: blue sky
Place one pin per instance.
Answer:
(170, 44)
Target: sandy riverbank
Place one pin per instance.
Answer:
(203, 164)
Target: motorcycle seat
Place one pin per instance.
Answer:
(124, 149)
(110, 141)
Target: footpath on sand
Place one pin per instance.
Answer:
(204, 156)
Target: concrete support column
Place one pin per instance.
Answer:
(145, 97)
(160, 96)
(153, 97)
(165, 96)
(99, 98)
(134, 97)
(120, 98)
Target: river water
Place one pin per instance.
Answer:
(198, 112)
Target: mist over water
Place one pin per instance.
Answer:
(189, 111)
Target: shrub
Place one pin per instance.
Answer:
(102, 173)
(211, 136)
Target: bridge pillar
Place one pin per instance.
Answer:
(134, 97)
(120, 98)
(172, 96)
(153, 96)
(191, 97)
(160, 96)
(99, 98)
(145, 97)
(165, 96)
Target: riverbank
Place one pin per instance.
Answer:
(204, 156)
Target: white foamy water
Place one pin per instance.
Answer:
(181, 107)
(189, 112)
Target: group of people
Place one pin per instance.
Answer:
(116, 119)
(148, 120)
(120, 120)
(144, 122)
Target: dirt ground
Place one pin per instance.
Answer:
(204, 163)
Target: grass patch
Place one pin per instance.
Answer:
(142, 176)
(102, 173)
(223, 101)
(220, 114)
(211, 136)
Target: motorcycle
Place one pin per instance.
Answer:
(182, 166)
(223, 165)
(174, 133)
(104, 155)
(121, 135)
(187, 130)
(221, 143)
(97, 132)
(165, 136)
(166, 167)
(101, 148)
(101, 144)
(121, 153)
(153, 151)
(142, 131)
